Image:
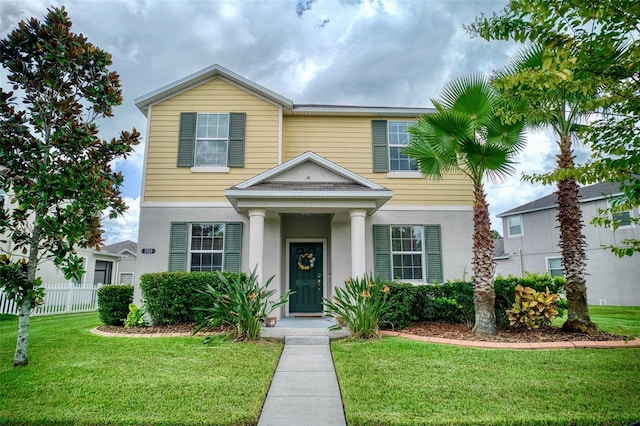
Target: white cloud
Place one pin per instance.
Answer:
(124, 227)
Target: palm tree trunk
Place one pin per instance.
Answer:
(484, 295)
(572, 245)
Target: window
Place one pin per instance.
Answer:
(398, 138)
(406, 253)
(623, 218)
(102, 272)
(212, 135)
(206, 247)
(554, 267)
(514, 225)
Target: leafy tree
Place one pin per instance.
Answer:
(590, 54)
(465, 135)
(56, 170)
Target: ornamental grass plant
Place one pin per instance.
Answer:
(241, 304)
(359, 306)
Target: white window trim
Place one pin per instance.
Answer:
(210, 169)
(546, 263)
(422, 254)
(399, 173)
(509, 227)
(213, 169)
(404, 174)
(190, 251)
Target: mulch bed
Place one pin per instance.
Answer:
(432, 329)
(543, 334)
(187, 328)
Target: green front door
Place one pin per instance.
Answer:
(305, 277)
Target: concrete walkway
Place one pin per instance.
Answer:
(305, 388)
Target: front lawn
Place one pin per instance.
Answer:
(400, 382)
(75, 377)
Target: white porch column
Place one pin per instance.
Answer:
(358, 253)
(256, 240)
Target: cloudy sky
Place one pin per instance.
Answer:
(350, 52)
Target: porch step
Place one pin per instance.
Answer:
(280, 333)
(306, 340)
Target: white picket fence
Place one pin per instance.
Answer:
(61, 298)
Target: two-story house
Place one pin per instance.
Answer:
(237, 177)
(531, 239)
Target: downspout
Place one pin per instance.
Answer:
(521, 263)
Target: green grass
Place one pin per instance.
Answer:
(617, 319)
(393, 381)
(75, 377)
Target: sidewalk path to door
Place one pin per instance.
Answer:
(304, 390)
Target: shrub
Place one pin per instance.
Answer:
(174, 297)
(400, 311)
(135, 318)
(113, 303)
(442, 309)
(360, 305)
(531, 308)
(506, 287)
(240, 303)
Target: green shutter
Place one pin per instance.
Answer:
(187, 138)
(433, 247)
(380, 147)
(382, 251)
(178, 246)
(237, 124)
(232, 246)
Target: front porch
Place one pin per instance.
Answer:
(303, 326)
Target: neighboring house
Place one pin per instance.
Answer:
(531, 238)
(237, 177)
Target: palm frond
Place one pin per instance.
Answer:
(471, 95)
(509, 135)
(489, 159)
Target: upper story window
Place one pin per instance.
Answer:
(407, 255)
(398, 138)
(514, 226)
(622, 218)
(211, 142)
(212, 136)
(206, 247)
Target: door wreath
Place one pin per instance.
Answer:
(306, 261)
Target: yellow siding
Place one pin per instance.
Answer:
(166, 182)
(347, 141)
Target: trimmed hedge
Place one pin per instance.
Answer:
(175, 297)
(113, 303)
(453, 301)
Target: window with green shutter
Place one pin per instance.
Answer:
(433, 250)
(211, 139)
(380, 146)
(382, 248)
(205, 247)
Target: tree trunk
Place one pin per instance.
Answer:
(572, 246)
(24, 313)
(484, 295)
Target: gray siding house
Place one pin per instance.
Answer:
(531, 238)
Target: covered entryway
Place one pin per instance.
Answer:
(306, 277)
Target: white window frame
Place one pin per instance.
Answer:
(191, 251)
(211, 167)
(400, 172)
(547, 261)
(423, 259)
(519, 216)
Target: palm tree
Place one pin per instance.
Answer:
(465, 135)
(563, 109)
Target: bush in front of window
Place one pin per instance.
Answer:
(113, 303)
(175, 297)
(453, 301)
